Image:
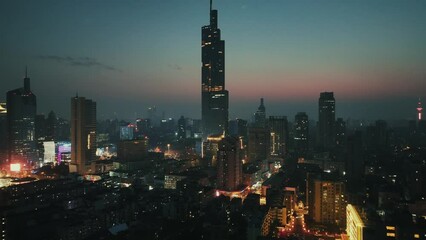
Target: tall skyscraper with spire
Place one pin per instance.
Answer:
(214, 97)
(21, 113)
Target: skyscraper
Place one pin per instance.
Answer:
(229, 166)
(83, 134)
(260, 115)
(21, 113)
(340, 130)
(278, 126)
(301, 133)
(181, 131)
(326, 199)
(258, 144)
(327, 118)
(214, 97)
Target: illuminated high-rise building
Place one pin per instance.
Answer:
(210, 149)
(355, 225)
(83, 134)
(326, 121)
(419, 110)
(326, 199)
(278, 126)
(214, 97)
(21, 114)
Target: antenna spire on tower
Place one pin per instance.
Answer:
(26, 71)
(211, 4)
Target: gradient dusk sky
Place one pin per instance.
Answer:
(128, 55)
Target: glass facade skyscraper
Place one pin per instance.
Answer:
(326, 123)
(21, 113)
(214, 97)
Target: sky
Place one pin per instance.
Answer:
(128, 55)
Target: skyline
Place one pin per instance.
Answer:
(142, 53)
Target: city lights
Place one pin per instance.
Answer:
(137, 124)
(15, 167)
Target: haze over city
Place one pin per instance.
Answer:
(129, 55)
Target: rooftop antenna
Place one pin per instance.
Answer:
(26, 71)
(211, 3)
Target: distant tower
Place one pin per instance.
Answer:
(214, 97)
(21, 114)
(260, 115)
(83, 134)
(326, 123)
(419, 110)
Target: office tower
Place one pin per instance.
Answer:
(62, 131)
(132, 154)
(40, 127)
(229, 165)
(260, 116)
(21, 114)
(3, 133)
(83, 134)
(210, 150)
(51, 126)
(143, 127)
(152, 115)
(355, 162)
(127, 132)
(340, 129)
(326, 133)
(301, 133)
(258, 144)
(40, 135)
(326, 199)
(214, 97)
(278, 126)
(181, 132)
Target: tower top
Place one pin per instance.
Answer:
(27, 86)
(261, 107)
(419, 110)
